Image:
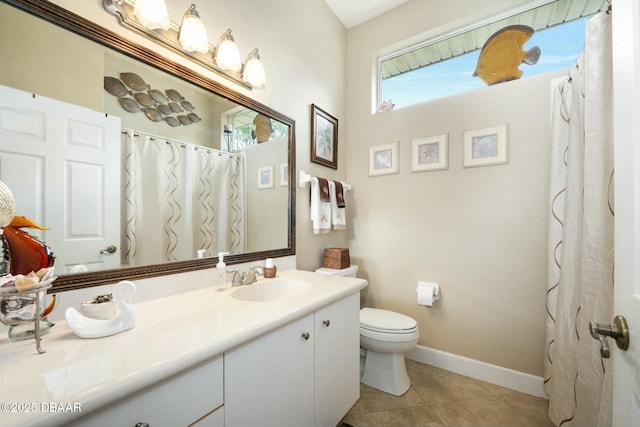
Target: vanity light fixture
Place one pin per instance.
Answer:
(193, 34)
(226, 53)
(226, 60)
(253, 70)
(152, 14)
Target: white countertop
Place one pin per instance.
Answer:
(171, 334)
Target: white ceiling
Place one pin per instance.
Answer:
(354, 12)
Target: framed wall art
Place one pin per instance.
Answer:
(324, 138)
(429, 154)
(383, 159)
(284, 174)
(486, 146)
(265, 177)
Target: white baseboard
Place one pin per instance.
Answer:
(515, 380)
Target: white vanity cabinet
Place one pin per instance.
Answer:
(191, 398)
(305, 373)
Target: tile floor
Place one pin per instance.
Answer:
(439, 398)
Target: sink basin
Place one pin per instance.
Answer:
(271, 290)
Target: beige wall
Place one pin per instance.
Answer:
(39, 62)
(267, 222)
(480, 232)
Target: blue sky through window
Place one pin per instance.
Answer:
(560, 45)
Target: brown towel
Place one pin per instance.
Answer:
(324, 189)
(339, 195)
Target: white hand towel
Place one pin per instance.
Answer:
(338, 215)
(320, 211)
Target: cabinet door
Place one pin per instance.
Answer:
(269, 381)
(337, 360)
(179, 400)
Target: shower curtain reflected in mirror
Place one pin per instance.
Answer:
(179, 198)
(580, 262)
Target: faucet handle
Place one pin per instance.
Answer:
(256, 269)
(237, 277)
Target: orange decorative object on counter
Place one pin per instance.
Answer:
(26, 253)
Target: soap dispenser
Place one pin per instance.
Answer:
(221, 272)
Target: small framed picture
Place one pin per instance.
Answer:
(324, 138)
(284, 174)
(383, 159)
(486, 146)
(429, 154)
(265, 177)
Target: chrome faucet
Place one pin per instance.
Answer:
(241, 279)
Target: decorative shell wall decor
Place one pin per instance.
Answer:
(158, 106)
(157, 96)
(129, 105)
(184, 120)
(164, 109)
(176, 108)
(144, 99)
(172, 121)
(153, 114)
(174, 95)
(115, 87)
(187, 106)
(134, 81)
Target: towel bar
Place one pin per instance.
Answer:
(305, 178)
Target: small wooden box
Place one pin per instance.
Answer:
(337, 258)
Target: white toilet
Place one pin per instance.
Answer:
(385, 336)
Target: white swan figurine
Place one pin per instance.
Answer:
(86, 327)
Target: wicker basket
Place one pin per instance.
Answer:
(270, 272)
(337, 258)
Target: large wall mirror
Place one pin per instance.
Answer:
(197, 168)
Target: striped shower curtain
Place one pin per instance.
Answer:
(580, 262)
(179, 198)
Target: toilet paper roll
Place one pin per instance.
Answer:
(428, 293)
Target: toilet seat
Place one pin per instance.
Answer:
(386, 322)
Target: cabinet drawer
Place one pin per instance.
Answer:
(179, 400)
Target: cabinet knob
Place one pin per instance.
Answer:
(326, 323)
(142, 425)
(305, 336)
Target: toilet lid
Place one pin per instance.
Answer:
(384, 320)
(347, 271)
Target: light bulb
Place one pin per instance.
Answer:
(227, 54)
(254, 70)
(193, 34)
(152, 14)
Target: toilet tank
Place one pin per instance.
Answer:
(350, 271)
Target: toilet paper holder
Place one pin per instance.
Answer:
(427, 293)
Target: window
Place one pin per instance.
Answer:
(445, 66)
(242, 126)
